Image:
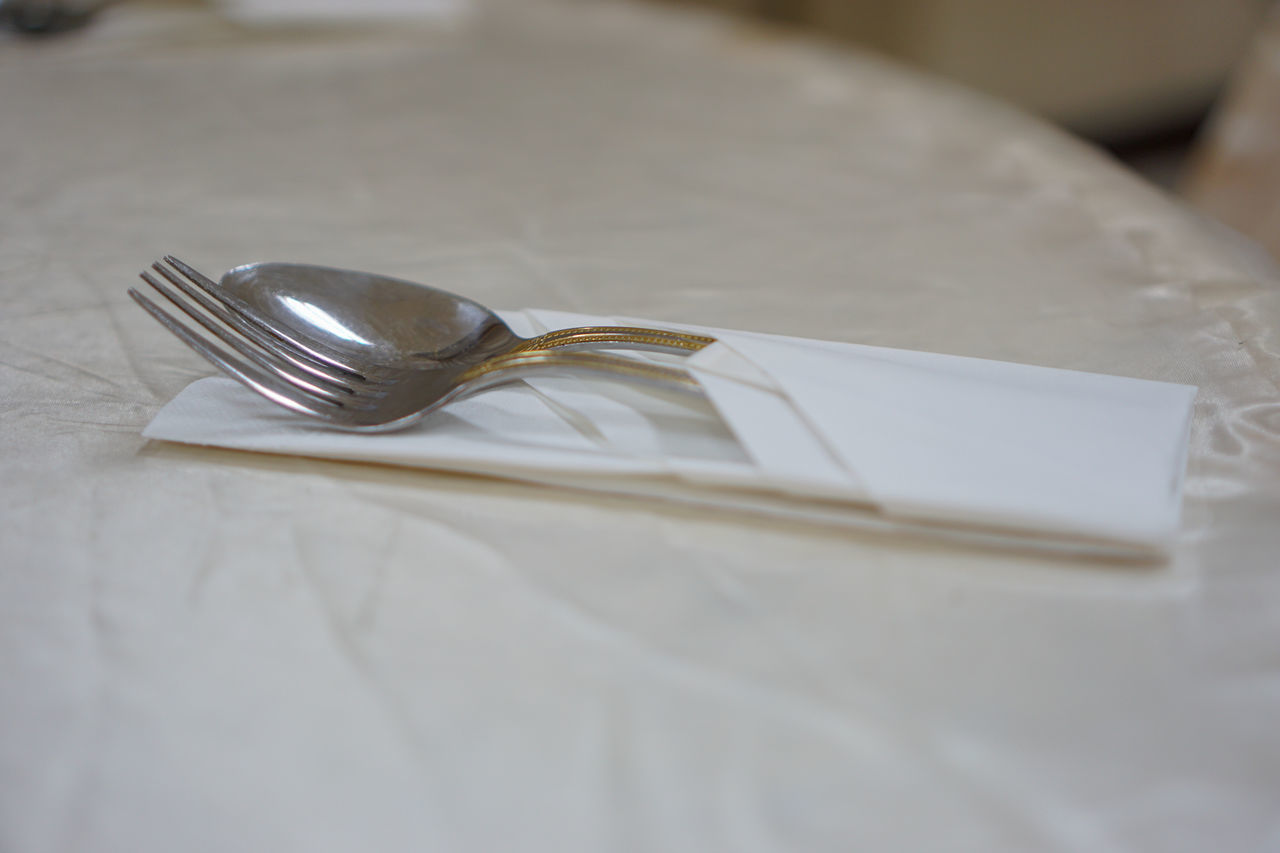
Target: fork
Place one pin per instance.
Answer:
(354, 392)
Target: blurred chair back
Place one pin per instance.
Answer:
(1234, 174)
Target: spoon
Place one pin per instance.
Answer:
(336, 314)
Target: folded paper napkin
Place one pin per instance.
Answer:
(831, 432)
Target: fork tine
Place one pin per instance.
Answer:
(236, 320)
(274, 389)
(264, 360)
(284, 337)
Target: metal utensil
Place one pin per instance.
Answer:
(329, 362)
(335, 313)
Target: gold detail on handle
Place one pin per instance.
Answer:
(616, 335)
(595, 362)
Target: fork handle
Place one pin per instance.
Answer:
(607, 337)
(515, 366)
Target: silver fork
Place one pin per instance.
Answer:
(353, 392)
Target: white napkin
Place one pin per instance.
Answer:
(831, 432)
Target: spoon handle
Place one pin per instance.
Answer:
(518, 365)
(605, 337)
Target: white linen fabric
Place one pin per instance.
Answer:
(1057, 455)
(208, 650)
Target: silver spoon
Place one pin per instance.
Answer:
(337, 314)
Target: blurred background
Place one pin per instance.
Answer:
(1120, 71)
(1187, 92)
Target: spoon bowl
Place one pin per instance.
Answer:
(340, 314)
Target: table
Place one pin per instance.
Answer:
(212, 650)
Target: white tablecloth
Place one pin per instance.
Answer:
(214, 650)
